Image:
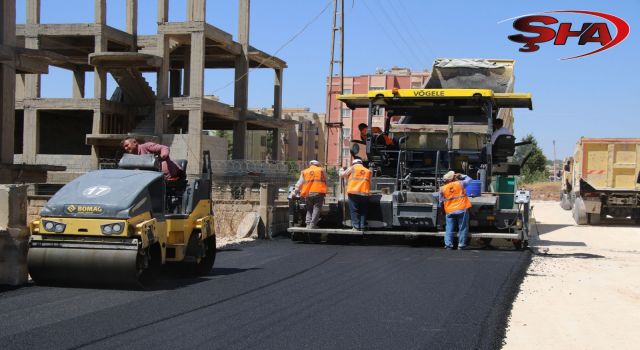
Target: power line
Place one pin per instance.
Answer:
(386, 33)
(402, 38)
(294, 37)
(413, 24)
(418, 43)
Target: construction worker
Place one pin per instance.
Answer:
(358, 188)
(388, 140)
(312, 186)
(171, 170)
(456, 208)
(498, 130)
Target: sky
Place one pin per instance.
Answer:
(593, 96)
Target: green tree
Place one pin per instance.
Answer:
(535, 169)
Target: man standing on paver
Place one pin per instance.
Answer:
(312, 186)
(358, 189)
(456, 208)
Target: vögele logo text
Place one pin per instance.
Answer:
(603, 34)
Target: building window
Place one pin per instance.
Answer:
(316, 145)
(263, 141)
(317, 131)
(416, 85)
(345, 113)
(347, 91)
(300, 127)
(381, 112)
(346, 132)
(376, 88)
(300, 141)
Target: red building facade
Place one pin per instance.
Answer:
(400, 78)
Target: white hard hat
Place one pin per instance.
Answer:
(314, 162)
(356, 161)
(449, 176)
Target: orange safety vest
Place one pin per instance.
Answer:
(313, 181)
(359, 180)
(454, 197)
(388, 140)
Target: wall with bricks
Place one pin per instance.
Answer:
(34, 205)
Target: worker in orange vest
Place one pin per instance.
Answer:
(358, 188)
(388, 140)
(456, 208)
(312, 186)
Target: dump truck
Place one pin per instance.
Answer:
(447, 125)
(601, 180)
(118, 226)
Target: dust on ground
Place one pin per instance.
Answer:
(544, 191)
(227, 242)
(581, 290)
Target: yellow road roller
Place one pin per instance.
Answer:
(118, 226)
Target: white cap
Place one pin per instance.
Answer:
(356, 161)
(314, 162)
(449, 176)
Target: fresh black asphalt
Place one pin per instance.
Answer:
(284, 295)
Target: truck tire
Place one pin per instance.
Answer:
(565, 201)
(580, 212)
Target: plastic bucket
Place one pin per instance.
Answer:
(474, 188)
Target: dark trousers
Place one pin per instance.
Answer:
(358, 207)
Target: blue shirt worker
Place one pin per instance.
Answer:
(453, 198)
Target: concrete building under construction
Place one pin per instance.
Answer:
(84, 133)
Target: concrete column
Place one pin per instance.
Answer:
(30, 136)
(163, 11)
(32, 81)
(196, 80)
(99, 91)
(162, 85)
(196, 10)
(196, 89)
(132, 22)
(14, 236)
(78, 83)
(7, 83)
(241, 89)
(100, 11)
(33, 11)
(277, 113)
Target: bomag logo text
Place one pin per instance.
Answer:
(84, 209)
(428, 93)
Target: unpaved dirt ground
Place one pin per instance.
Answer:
(582, 289)
(544, 191)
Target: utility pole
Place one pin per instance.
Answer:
(336, 123)
(554, 160)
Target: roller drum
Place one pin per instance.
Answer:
(57, 265)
